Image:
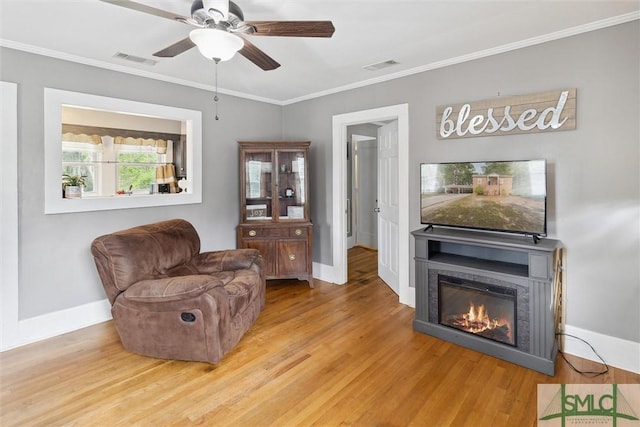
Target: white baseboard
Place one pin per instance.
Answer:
(408, 297)
(57, 323)
(616, 352)
(49, 325)
(324, 272)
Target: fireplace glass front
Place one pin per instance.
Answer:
(484, 310)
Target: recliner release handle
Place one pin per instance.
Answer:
(188, 317)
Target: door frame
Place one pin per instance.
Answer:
(9, 219)
(398, 112)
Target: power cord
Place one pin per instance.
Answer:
(559, 258)
(590, 374)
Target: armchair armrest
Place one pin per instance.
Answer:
(171, 288)
(227, 260)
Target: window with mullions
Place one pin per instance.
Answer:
(81, 158)
(136, 167)
(110, 168)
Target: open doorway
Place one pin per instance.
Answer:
(399, 242)
(362, 187)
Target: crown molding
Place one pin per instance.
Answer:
(592, 26)
(127, 70)
(597, 25)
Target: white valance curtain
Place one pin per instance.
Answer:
(93, 135)
(160, 144)
(82, 137)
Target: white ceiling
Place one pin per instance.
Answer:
(419, 35)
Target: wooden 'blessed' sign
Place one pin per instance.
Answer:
(541, 112)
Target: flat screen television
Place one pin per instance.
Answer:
(503, 196)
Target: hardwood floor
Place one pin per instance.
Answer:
(329, 356)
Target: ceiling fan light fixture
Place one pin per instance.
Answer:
(216, 44)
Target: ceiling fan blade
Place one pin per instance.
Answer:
(148, 9)
(258, 57)
(292, 28)
(175, 49)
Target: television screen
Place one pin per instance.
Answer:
(508, 196)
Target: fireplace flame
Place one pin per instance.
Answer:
(477, 320)
(477, 316)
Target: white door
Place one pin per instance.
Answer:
(388, 216)
(366, 193)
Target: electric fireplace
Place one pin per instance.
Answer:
(478, 308)
(491, 293)
(480, 311)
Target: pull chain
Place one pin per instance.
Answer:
(215, 98)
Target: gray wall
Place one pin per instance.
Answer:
(594, 198)
(56, 269)
(593, 180)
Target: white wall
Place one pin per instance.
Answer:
(594, 195)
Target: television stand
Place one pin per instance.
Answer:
(512, 263)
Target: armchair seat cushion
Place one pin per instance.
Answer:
(171, 288)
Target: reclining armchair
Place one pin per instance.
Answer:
(170, 301)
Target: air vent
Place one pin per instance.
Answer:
(134, 58)
(380, 65)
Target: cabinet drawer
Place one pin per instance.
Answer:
(274, 232)
(262, 232)
(298, 232)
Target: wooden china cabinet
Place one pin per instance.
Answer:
(274, 206)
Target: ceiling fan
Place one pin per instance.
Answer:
(222, 29)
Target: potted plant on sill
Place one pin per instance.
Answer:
(72, 185)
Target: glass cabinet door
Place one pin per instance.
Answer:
(258, 185)
(291, 187)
